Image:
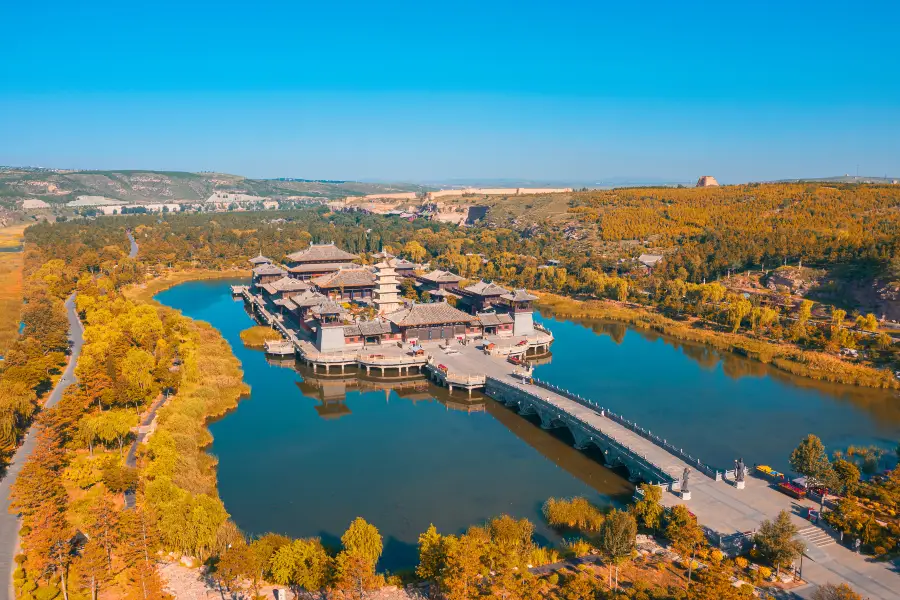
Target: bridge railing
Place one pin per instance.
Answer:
(632, 426)
(664, 480)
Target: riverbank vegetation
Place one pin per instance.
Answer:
(757, 345)
(258, 335)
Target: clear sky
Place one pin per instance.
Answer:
(550, 90)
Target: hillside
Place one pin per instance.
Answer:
(59, 187)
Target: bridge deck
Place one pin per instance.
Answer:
(718, 504)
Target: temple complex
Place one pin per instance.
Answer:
(330, 310)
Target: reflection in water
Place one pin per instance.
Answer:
(764, 410)
(884, 404)
(556, 446)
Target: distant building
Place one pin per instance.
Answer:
(347, 285)
(480, 296)
(438, 280)
(283, 288)
(260, 260)
(267, 273)
(371, 333)
(493, 323)
(435, 321)
(707, 181)
(329, 317)
(317, 260)
(519, 304)
(650, 260)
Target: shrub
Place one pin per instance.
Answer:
(577, 547)
(741, 562)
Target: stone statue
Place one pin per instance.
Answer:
(684, 480)
(739, 469)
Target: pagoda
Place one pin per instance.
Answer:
(386, 296)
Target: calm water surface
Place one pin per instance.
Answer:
(306, 453)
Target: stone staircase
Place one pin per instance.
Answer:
(816, 536)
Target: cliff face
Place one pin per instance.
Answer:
(707, 181)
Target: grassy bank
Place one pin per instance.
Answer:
(11, 267)
(805, 363)
(148, 289)
(258, 335)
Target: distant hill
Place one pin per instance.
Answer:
(61, 186)
(602, 183)
(843, 179)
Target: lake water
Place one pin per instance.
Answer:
(306, 453)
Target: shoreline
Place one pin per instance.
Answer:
(144, 292)
(810, 364)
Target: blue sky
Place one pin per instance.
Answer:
(421, 90)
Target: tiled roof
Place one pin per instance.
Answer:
(308, 299)
(484, 288)
(491, 319)
(319, 252)
(319, 267)
(649, 259)
(434, 313)
(519, 296)
(268, 269)
(376, 327)
(438, 276)
(440, 293)
(329, 307)
(260, 260)
(402, 263)
(346, 277)
(289, 284)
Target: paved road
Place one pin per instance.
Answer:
(9, 523)
(134, 247)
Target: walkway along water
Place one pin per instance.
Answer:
(10, 523)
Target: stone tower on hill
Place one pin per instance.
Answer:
(707, 181)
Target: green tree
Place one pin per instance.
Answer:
(362, 539)
(649, 509)
(685, 534)
(415, 251)
(617, 539)
(432, 554)
(848, 474)
(303, 565)
(776, 543)
(810, 460)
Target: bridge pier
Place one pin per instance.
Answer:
(547, 419)
(583, 440)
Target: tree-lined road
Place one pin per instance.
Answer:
(9, 523)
